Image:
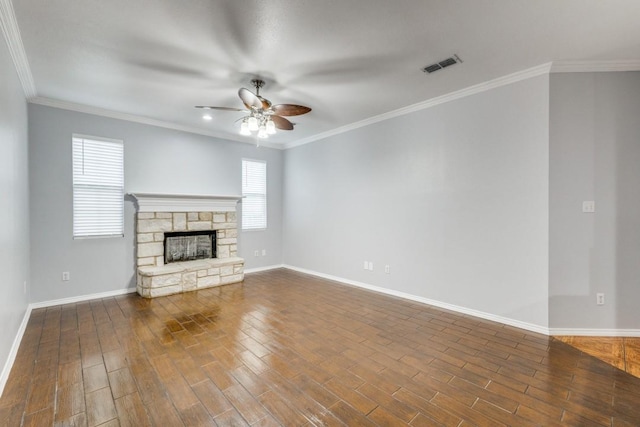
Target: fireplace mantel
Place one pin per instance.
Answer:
(150, 202)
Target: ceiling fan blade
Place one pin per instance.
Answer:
(249, 99)
(208, 107)
(266, 104)
(290, 109)
(282, 123)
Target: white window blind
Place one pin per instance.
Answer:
(98, 187)
(254, 190)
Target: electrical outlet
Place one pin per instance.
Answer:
(66, 276)
(256, 253)
(366, 265)
(589, 206)
(264, 252)
(370, 265)
(600, 299)
(387, 269)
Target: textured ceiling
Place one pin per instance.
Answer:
(349, 60)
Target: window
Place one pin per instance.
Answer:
(254, 190)
(98, 187)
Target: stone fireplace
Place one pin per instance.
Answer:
(165, 215)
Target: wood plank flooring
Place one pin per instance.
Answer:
(288, 349)
(621, 352)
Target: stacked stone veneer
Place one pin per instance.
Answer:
(157, 279)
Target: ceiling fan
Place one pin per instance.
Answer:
(262, 116)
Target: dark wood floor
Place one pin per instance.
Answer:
(621, 352)
(288, 349)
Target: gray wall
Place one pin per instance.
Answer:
(157, 160)
(14, 205)
(595, 155)
(475, 202)
(453, 198)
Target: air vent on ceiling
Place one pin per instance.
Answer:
(442, 64)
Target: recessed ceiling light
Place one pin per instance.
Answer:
(207, 117)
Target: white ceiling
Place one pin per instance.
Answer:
(348, 60)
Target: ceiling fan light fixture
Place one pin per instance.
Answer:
(262, 132)
(253, 124)
(244, 128)
(261, 115)
(271, 127)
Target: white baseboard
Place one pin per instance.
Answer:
(81, 298)
(6, 370)
(267, 268)
(464, 310)
(584, 332)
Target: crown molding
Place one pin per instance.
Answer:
(471, 90)
(550, 67)
(595, 66)
(97, 111)
(11, 32)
